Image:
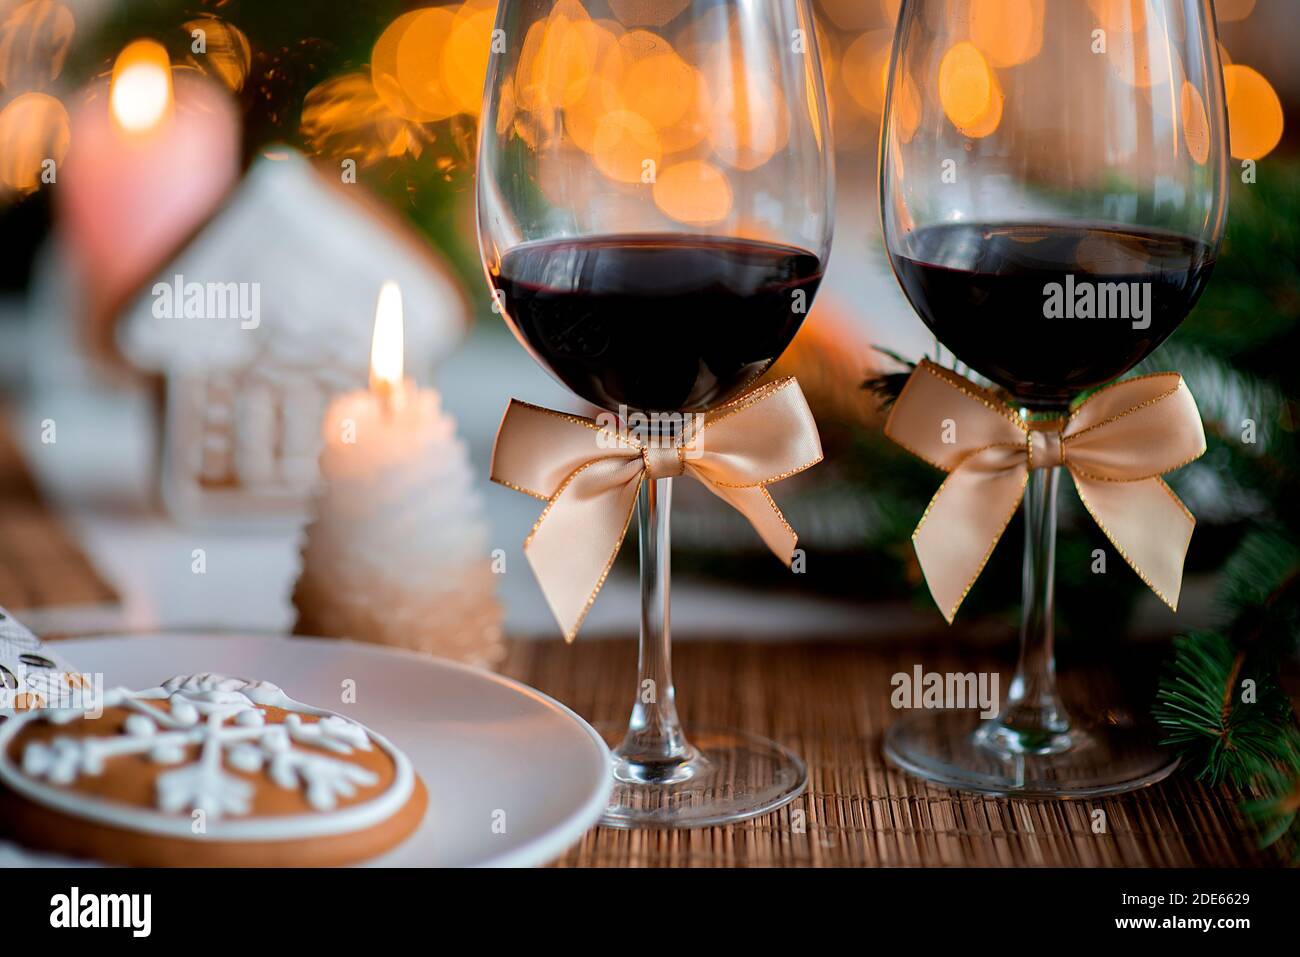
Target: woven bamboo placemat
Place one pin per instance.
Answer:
(41, 566)
(830, 703)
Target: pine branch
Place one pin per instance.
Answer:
(1228, 732)
(1250, 739)
(1276, 816)
(1261, 591)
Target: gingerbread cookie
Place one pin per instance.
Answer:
(205, 770)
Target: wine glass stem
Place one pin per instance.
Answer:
(1033, 714)
(654, 736)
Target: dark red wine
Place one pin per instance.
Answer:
(656, 323)
(1048, 310)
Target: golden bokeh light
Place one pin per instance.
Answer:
(692, 128)
(623, 96)
(559, 56)
(34, 42)
(1255, 119)
(581, 119)
(986, 123)
(383, 70)
(748, 117)
(419, 62)
(343, 117)
(661, 87)
(865, 68)
(227, 54)
(34, 129)
(1008, 32)
(140, 95)
(626, 147)
(465, 56)
(693, 192)
(966, 84)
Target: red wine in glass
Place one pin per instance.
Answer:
(655, 208)
(656, 323)
(1052, 201)
(1047, 310)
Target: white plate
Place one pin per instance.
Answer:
(514, 777)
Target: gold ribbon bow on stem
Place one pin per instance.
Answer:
(1116, 444)
(589, 477)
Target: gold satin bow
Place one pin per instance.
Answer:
(1116, 444)
(589, 477)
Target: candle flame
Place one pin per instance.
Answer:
(387, 348)
(140, 94)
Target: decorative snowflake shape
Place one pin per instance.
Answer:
(225, 718)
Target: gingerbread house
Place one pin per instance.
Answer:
(264, 316)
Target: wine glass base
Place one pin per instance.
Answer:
(958, 749)
(730, 776)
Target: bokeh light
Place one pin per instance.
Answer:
(1008, 32)
(749, 118)
(34, 128)
(626, 146)
(227, 54)
(966, 84)
(34, 41)
(343, 117)
(1255, 119)
(865, 68)
(661, 87)
(405, 65)
(693, 192)
(559, 56)
(465, 55)
(419, 62)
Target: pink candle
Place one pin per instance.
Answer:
(153, 154)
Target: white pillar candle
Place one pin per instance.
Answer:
(397, 550)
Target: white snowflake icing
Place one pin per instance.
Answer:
(225, 718)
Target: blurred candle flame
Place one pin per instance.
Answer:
(140, 95)
(387, 347)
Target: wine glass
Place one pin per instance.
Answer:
(1031, 147)
(655, 214)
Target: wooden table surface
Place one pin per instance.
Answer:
(829, 701)
(41, 565)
